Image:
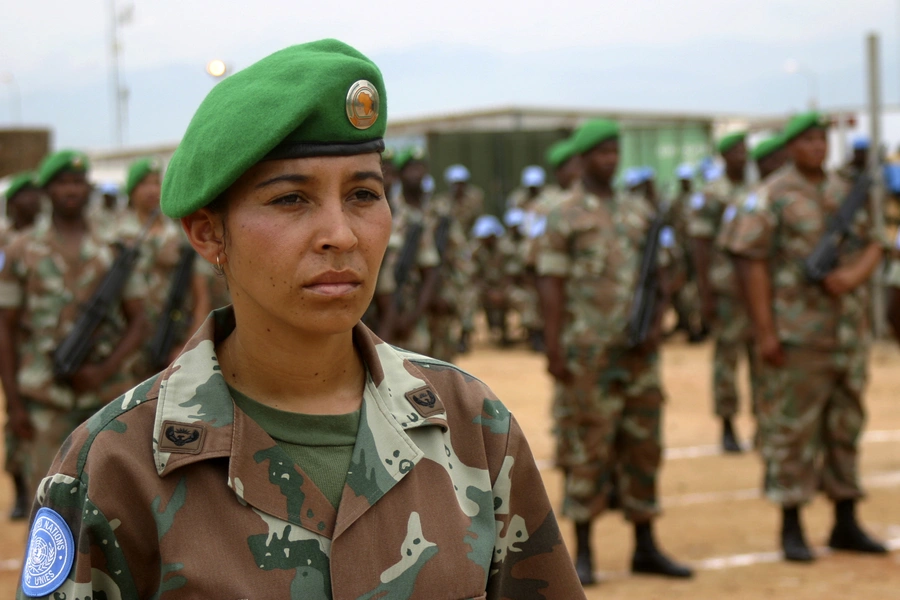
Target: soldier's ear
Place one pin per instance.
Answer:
(205, 230)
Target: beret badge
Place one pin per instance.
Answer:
(362, 104)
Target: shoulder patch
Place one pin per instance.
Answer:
(2, 259)
(750, 202)
(698, 200)
(667, 237)
(50, 554)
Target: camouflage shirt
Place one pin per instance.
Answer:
(596, 246)
(465, 209)
(782, 222)
(50, 288)
(173, 492)
(711, 216)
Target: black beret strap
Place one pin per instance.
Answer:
(288, 149)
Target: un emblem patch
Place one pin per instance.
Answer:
(51, 552)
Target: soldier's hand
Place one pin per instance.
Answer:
(770, 350)
(556, 366)
(19, 424)
(837, 283)
(88, 378)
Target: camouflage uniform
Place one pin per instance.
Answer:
(426, 256)
(608, 419)
(50, 288)
(465, 210)
(442, 498)
(686, 298)
(712, 211)
(813, 405)
(159, 256)
(456, 278)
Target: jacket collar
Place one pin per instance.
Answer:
(196, 420)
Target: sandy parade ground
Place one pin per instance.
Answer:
(714, 517)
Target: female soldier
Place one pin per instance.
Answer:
(287, 452)
(163, 251)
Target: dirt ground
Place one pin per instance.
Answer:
(714, 517)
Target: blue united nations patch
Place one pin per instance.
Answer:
(697, 201)
(2, 259)
(750, 202)
(730, 213)
(51, 552)
(667, 237)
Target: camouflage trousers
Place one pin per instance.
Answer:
(811, 420)
(608, 427)
(524, 300)
(733, 340)
(12, 463)
(52, 426)
(444, 337)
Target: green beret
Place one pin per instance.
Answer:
(323, 98)
(560, 152)
(767, 147)
(406, 156)
(140, 169)
(800, 123)
(56, 163)
(730, 141)
(592, 133)
(19, 182)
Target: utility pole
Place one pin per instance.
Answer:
(119, 93)
(876, 197)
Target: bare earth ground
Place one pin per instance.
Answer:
(714, 516)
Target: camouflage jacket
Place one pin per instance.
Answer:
(173, 492)
(781, 222)
(711, 216)
(596, 246)
(491, 264)
(50, 289)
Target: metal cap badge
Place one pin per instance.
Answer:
(362, 104)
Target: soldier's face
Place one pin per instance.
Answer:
(601, 161)
(69, 192)
(412, 174)
(303, 241)
(736, 158)
(568, 172)
(145, 195)
(809, 149)
(25, 205)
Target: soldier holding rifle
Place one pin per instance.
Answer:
(49, 277)
(806, 250)
(608, 418)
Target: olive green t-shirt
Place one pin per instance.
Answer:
(321, 445)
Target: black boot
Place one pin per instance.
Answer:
(792, 541)
(649, 559)
(463, 346)
(584, 562)
(20, 506)
(536, 340)
(848, 535)
(730, 444)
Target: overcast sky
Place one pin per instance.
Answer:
(690, 55)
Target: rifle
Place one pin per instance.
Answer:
(642, 316)
(824, 257)
(73, 351)
(406, 259)
(173, 318)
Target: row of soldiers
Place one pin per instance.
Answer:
(119, 282)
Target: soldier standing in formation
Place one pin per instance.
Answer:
(588, 264)
(161, 251)
(49, 274)
(720, 302)
(685, 298)
(23, 204)
(812, 338)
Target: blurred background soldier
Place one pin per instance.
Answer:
(410, 278)
(490, 257)
(686, 298)
(858, 160)
(608, 417)
(106, 215)
(23, 204)
(812, 336)
(720, 301)
(49, 278)
(162, 250)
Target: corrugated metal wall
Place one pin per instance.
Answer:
(496, 159)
